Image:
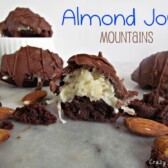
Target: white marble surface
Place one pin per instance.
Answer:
(75, 144)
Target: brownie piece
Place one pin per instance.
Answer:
(153, 73)
(22, 22)
(6, 125)
(150, 107)
(29, 66)
(143, 109)
(90, 90)
(81, 108)
(35, 114)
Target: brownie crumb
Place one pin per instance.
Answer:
(35, 114)
(151, 107)
(6, 125)
(82, 108)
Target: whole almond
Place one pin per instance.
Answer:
(4, 135)
(145, 127)
(5, 112)
(34, 96)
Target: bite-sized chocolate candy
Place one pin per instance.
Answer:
(153, 73)
(29, 66)
(22, 22)
(91, 90)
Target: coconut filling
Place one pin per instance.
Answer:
(93, 84)
(24, 28)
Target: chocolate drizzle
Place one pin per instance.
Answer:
(24, 17)
(30, 63)
(153, 73)
(162, 74)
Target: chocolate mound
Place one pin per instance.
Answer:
(91, 90)
(35, 114)
(81, 108)
(153, 73)
(22, 22)
(29, 63)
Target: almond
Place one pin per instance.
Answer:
(4, 135)
(5, 112)
(161, 144)
(145, 127)
(36, 95)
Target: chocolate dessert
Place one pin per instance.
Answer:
(151, 107)
(153, 73)
(29, 66)
(91, 90)
(22, 22)
(159, 154)
(35, 114)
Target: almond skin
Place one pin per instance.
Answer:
(34, 96)
(5, 112)
(4, 135)
(145, 127)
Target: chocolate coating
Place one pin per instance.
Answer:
(25, 65)
(153, 73)
(25, 17)
(102, 65)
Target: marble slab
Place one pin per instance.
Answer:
(75, 144)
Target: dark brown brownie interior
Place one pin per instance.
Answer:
(82, 108)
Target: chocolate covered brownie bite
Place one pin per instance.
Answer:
(152, 73)
(30, 66)
(22, 22)
(91, 90)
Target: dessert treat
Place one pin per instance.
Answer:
(91, 90)
(35, 114)
(159, 153)
(151, 107)
(153, 73)
(22, 22)
(29, 66)
(6, 125)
